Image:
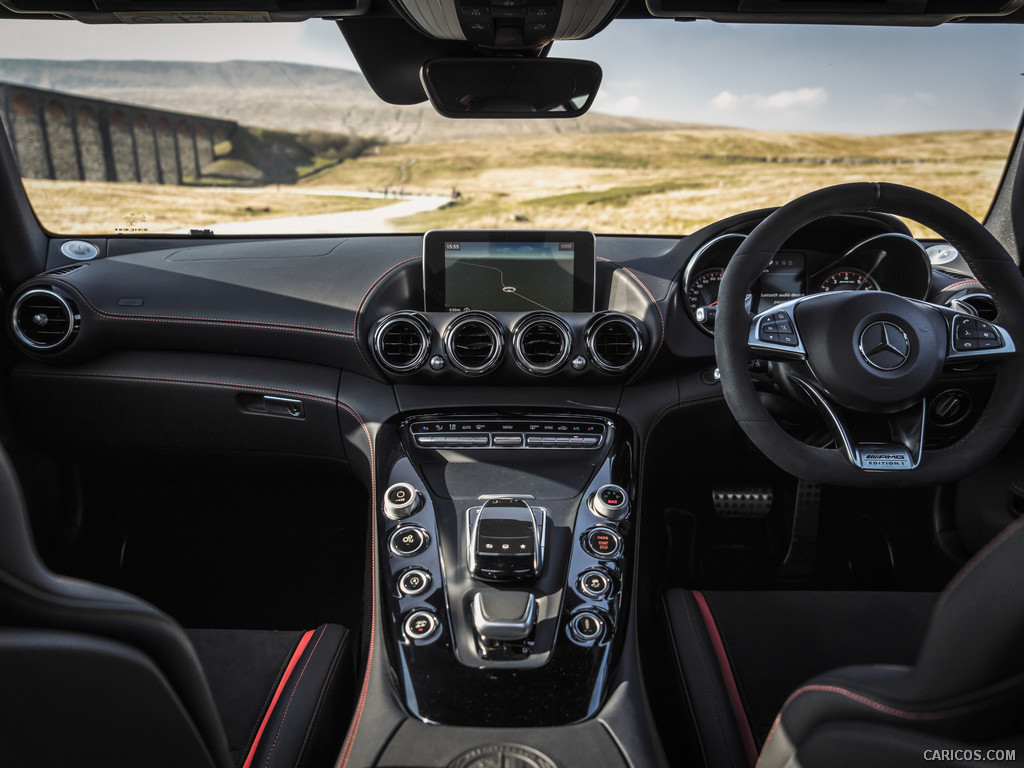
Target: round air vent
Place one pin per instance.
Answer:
(474, 343)
(541, 343)
(44, 320)
(980, 304)
(614, 342)
(401, 342)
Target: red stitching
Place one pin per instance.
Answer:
(320, 710)
(185, 320)
(959, 284)
(878, 706)
(978, 559)
(357, 717)
(295, 688)
(661, 317)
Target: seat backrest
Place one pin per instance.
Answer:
(977, 629)
(39, 604)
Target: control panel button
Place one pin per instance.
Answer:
(610, 502)
(420, 625)
(586, 628)
(595, 584)
(402, 500)
(414, 582)
(408, 541)
(603, 543)
(504, 441)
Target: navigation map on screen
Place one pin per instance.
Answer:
(509, 277)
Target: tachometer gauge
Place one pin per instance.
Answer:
(849, 280)
(703, 290)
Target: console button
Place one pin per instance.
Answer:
(586, 628)
(414, 582)
(610, 502)
(421, 625)
(503, 441)
(595, 584)
(603, 543)
(402, 500)
(408, 541)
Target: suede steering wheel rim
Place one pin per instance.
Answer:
(927, 350)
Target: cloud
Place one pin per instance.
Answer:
(726, 101)
(781, 100)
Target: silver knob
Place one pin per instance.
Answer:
(402, 500)
(610, 502)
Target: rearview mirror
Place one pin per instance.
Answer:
(511, 88)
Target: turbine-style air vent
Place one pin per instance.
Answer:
(474, 343)
(43, 320)
(401, 342)
(614, 342)
(541, 343)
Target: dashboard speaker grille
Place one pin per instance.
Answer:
(43, 320)
(541, 344)
(401, 343)
(474, 343)
(614, 342)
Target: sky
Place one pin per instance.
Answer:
(813, 78)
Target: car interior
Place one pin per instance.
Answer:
(749, 494)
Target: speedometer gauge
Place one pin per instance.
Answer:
(849, 280)
(703, 290)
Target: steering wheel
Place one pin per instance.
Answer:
(868, 360)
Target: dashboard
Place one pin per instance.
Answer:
(604, 311)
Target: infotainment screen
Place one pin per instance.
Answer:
(508, 270)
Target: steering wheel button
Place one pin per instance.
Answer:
(788, 339)
(769, 328)
(785, 327)
(990, 343)
(966, 332)
(780, 317)
(771, 338)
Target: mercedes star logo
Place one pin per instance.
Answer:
(885, 346)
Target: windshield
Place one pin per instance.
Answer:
(270, 128)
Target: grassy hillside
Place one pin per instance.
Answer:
(285, 96)
(667, 181)
(670, 182)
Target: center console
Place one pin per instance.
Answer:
(506, 545)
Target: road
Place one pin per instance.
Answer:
(346, 222)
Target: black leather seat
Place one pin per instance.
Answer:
(94, 676)
(850, 678)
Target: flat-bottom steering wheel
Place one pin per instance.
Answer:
(868, 360)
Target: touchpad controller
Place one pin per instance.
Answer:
(505, 541)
